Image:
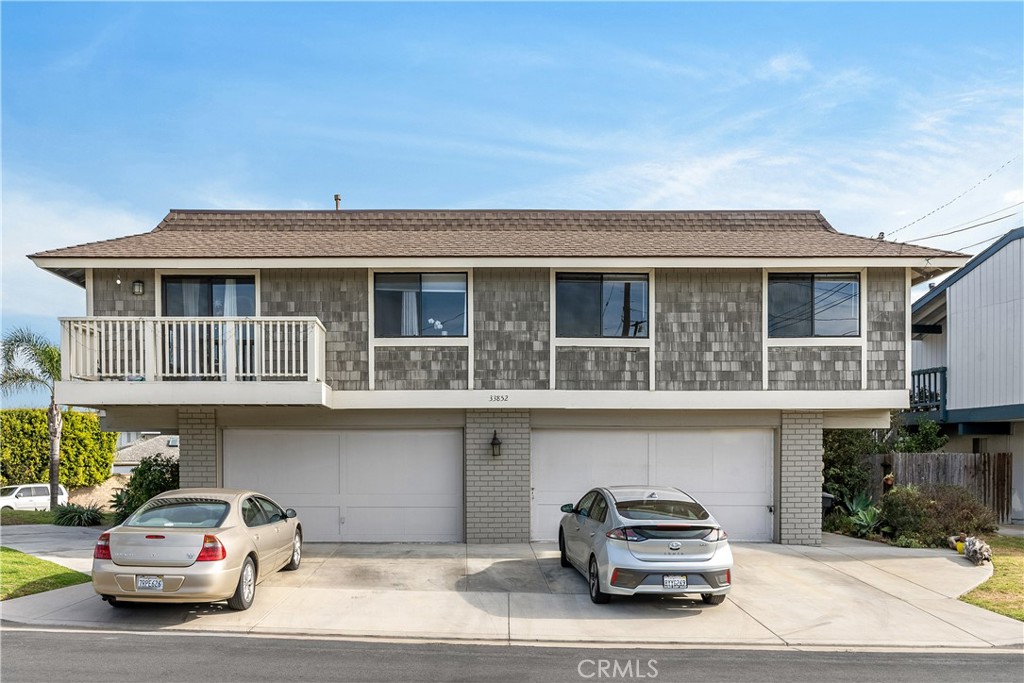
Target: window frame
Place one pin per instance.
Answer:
(423, 339)
(160, 274)
(617, 340)
(816, 339)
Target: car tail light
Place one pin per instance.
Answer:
(625, 534)
(715, 535)
(102, 549)
(212, 550)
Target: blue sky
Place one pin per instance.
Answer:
(876, 114)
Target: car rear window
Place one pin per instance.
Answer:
(661, 510)
(8, 491)
(180, 512)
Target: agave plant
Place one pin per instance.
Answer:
(867, 521)
(73, 514)
(857, 504)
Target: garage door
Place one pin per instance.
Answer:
(356, 485)
(729, 471)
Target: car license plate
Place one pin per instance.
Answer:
(673, 581)
(149, 583)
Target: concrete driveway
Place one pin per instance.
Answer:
(847, 593)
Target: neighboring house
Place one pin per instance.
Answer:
(968, 357)
(126, 459)
(459, 375)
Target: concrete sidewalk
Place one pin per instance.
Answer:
(847, 593)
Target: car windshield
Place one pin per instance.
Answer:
(180, 512)
(8, 491)
(661, 509)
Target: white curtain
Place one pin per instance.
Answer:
(410, 315)
(230, 298)
(190, 293)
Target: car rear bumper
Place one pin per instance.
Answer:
(624, 574)
(201, 582)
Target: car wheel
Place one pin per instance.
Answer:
(296, 552)
(114, 602)
(710, 599)
(7, 507)
(245, 593)
(597, 596)
(563, 558)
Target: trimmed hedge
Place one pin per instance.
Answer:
(86, 452)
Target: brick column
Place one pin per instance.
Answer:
(799, 507)
(498, 489)
(197, 447)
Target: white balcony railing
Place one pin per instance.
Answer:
(193, 349)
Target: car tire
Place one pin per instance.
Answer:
(710, 599)
(7, 507)
(296, 559)
(114, 602)
(563, 558)
(597, 596)
(245, 592)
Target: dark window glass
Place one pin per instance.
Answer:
(180, 512)
(252, 514)
(205, 296)
(420, 305)
(601, 305)
(661, 509)
(813, 305)
(272, 511)
(583, 507)
(599, 510)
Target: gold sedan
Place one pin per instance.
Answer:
(196, 545)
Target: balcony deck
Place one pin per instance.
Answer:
(239, 361)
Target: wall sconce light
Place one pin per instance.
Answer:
(138, 288)
(117, 280)
(495, 445)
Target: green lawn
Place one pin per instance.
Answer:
(22, 574)
(1004, 592)
(8, 517)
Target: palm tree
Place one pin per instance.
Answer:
(27, 361)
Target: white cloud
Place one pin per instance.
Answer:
(784, 67)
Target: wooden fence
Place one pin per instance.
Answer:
(986, 475)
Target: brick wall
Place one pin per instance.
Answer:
(497, 489)
(799, 506)
(421, 367)
(511, 326)
(604, 368)
(109, 298)
(339, 298)
(197, 450)
(822, 368)
(708, 330)
(886, 328)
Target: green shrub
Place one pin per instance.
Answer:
(845, 469)
(837, 522)
(73, 514)
(927, 439)
(155, 474)
(86, 452)
(931, 513)
(907, 542)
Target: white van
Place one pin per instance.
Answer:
(30, 497)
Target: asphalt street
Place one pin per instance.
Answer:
(110, 657)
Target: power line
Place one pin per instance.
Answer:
(937, 209)
(953, 232)
(990, 239)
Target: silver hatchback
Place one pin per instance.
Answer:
(645, 539)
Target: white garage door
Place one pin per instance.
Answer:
(355, 485)
(729, 471)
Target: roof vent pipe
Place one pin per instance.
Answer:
(337, 202)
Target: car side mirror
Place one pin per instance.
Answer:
(568, 507)
(289, 513)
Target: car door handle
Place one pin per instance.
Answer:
(592, 533)
(577, 528)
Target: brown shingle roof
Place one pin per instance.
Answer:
(511, 233)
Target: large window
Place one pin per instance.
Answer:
(601, 305)
(813, 305)
(206, 296)
(420, 304)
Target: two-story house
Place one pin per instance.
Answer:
(968, 358)
(459, 375)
